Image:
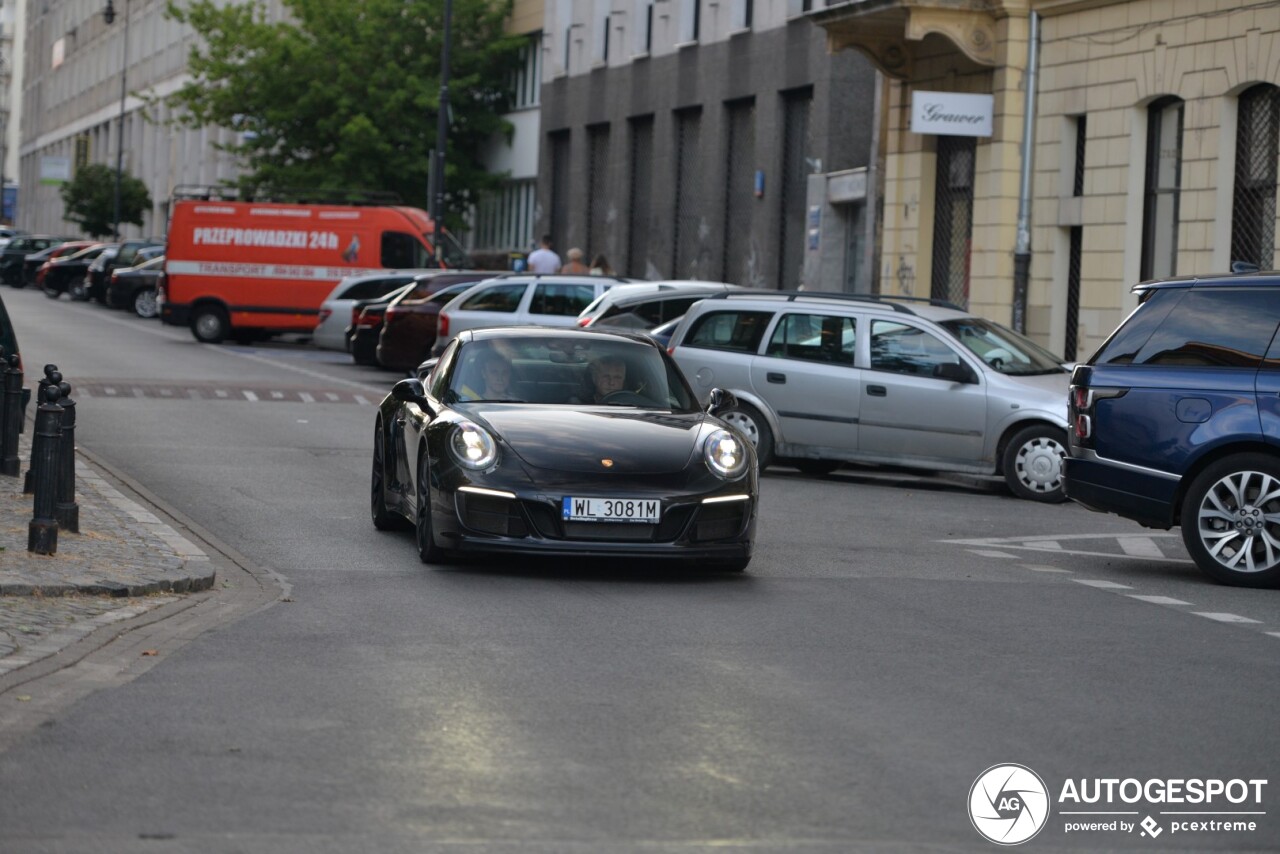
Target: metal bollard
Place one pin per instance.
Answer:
(66, 511)
(11, 425)
(50, 371)
(42, 532)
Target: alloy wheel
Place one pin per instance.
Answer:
(1238, 521)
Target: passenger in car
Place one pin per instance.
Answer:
(494, 379)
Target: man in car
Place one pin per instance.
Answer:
(608, 374)
(495, 379)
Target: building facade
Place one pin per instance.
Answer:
(1151, 150)
(707, 140)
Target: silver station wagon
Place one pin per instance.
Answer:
(823, 379)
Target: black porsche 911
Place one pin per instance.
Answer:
(527, 441)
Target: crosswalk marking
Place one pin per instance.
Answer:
(1158, 600)
(1224, 618)
(989, 553)
(249, 395)
(1139, 546)
(306, 398)
(1104, 585)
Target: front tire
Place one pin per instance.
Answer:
(144, 303)
(748, 421)
(209, 324)
(1033, 463)
(1231, 521)
(428, 551)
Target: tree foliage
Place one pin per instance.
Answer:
(90, 199)
(345, 95)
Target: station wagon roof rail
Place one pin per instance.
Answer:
(886, 300)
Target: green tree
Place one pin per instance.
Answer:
(344, 95)
(90, 199)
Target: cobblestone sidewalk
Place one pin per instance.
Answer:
(124, 562)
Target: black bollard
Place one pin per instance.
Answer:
(50, 371)
(11, 425)
(67, 512)
(42, 532)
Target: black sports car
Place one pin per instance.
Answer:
(562, 442)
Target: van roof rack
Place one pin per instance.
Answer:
(888, 300)
(314, 196)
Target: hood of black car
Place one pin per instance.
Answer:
(580, 440)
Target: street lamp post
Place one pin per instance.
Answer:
(442, 136)
(109, 15)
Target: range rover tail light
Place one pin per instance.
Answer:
(1081, 401)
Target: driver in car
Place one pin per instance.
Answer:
(608, 374)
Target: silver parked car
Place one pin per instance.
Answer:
(828, 378)
(522, 299)
(647, 304)
(335, 311)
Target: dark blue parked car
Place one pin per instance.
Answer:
(1176, 421)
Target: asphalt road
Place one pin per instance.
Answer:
(895, 636)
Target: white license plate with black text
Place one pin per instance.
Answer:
(611, 509)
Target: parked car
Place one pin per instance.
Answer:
(366, 326)
(7, 234)
(57, 274)
(1176, 421)
(129, 253)
(96, 276)
(647, 304)
(663, 331)
(521, 471)
(335, 312)
(409, 323)
(823, 379)
(11, 260)
(519, 299)
(32, 263)
(135, 288)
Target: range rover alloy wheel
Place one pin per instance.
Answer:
(1231, 521)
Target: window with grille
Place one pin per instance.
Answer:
(953, 218)
(1071, 342)
(1160, 206)
(1253, 208)
(739, 190)
(526, 81)
(796, 147)
(639, 196)
(504, 218)
(598, 237)
(559, 144)
(688, 193)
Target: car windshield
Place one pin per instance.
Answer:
(569, 371)
(1003, 349)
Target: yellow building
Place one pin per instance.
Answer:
(1154, 147)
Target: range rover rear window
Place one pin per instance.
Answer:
(1210, 327)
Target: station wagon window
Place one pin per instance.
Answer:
(497, 298)
(561, 300)
(1218, 327)
(402, 251)
(373, 288)
(814, 338)
(739, 331)
(905, 349)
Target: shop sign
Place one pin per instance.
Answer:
(951, 113)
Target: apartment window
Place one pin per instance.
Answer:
(640, 195)
(1071, 341)
(504, 218)
(740, 15)
(644, 26)
(526, 82)
(1077, 182)
(797, 146)
(685, 240)
(1160, 207)
(598, 197)
(1253, 208)
(600, 36)
(690, 14)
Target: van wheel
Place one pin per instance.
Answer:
(1033, 463)
(209, 324)
(144, 303)
(1229, 521)
(748, 421)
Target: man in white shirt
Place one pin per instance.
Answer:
(544, 259)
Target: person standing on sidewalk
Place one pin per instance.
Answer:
(575, 266)
(544, 259)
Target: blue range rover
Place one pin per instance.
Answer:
(1176, 421)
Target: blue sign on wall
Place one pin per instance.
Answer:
(9, 203)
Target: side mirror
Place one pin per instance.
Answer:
(411, 391)
(953, 371)
(719, 400)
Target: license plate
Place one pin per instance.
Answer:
(611, 509)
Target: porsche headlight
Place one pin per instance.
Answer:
(724, 454)
(472, 446)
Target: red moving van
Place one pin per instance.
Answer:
(247, 270)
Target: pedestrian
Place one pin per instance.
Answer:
(574, 264)
(600, 266)
(544, 259)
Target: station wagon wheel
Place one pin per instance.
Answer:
(144, 302)
(1231, 521)
(748, 421)
(209, 324)
(428, 551)
(1033, 463)
(78, 291)
(383, 519)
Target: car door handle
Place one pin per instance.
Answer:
(877, 391)
(775, 377)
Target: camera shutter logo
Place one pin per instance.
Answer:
(1008, 804)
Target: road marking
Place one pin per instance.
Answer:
(1224, 618)
(1158, 600)
(250, 395)
(1037, 568)
(1140, 547)
(1047, 545)
(277, 395)
(1274, 634)
(1104, 585)
(362, 400)
(988, 553)
(221, 393)
(306, 398)
(330, 395)
(109, 391)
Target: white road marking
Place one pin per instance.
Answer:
(221, 393)
(1047, 545)
(1274, 634)
(988, 553)
(1105, 585)
(1224, 618)
(1037, 568)
(277, 395)
(110, 391)
(362, 400)
(248, 395)
(1158, 600)
(330, 395)
(1139, 547)
(306, 398)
